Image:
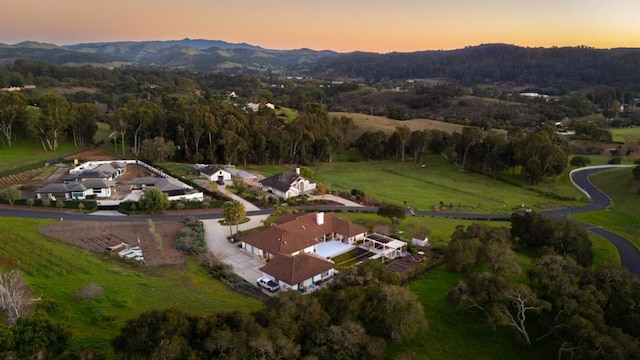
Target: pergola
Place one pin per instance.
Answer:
(385, 245)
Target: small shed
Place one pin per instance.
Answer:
(420, 240)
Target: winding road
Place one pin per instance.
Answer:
(629, 254)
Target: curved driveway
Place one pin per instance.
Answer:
(629, 254)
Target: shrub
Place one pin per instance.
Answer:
(614, 161)
(89, 292)
(191, 237)
(215, 267)
(11, 194)
(580, 161)
(636, 172)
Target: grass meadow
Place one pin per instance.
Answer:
(374, 123)
(438, 184)
(624, 216)
(56, 272)
(24, 153)
(456, 335)
(622, 134)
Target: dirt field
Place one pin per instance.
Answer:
(92, 154)
(96, 236)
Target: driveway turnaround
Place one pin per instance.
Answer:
(243, 264)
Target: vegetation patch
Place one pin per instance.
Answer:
(55, 272)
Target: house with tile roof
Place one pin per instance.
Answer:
(296, 247)
(287, 184)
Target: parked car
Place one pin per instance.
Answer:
(220, 182)
(268, 284)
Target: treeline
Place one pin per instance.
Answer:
(540, 153)
(588, 313)
(567, 68)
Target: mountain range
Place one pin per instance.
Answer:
(193, 54)
(558, 67)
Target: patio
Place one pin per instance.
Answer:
(329, 249)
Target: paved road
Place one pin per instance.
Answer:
(629, 254)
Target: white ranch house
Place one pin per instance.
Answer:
(287, 184)
(215, 173)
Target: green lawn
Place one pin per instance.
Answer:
(57, 271)
(620, 134)
(624, 216)
(455, 335)
(438, 183)
(23, 153)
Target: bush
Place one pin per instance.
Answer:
(636, 161)
(636, 172)
(89, 292)
(215, 267)
(580, 161)
(191, 237)
(614, 161)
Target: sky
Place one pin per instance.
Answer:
(341, 25)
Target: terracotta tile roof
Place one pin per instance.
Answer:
(295, 269)
(300, 232)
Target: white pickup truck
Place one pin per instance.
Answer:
(268, 284)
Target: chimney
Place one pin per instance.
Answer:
(298, 170)
(320, 218)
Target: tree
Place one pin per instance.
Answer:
(15, 296)
(501, 301)
(83, 123)
(391, 211)
(418, 142)
(52, 120)
(156, 333)
(11, 194)
(403, 134)
(541, 155)
(157, 150)
(579, 161)
(234, 212)
(470, 136)
(346, 341)
(38, 338)
(12, 110)
(561, 235)
(153, 200)
(392, 311)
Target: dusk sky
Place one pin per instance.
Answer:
(341, 25)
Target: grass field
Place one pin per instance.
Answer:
(57, 271)
(438, 183)
(375, 123)
(24, 153)
(624, 216)
(620, 134)
(455, 335)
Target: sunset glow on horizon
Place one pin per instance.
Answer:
(375, 25)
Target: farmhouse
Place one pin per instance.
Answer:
(296, 247)
(215, 173)
(287, 184)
